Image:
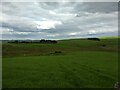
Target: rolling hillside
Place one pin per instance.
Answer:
(74, 63)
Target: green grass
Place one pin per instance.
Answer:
(82, 64)
(66, 46)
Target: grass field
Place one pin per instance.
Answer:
(81, 64)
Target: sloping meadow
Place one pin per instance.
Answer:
(75, 63)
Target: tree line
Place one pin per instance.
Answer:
(33, 41)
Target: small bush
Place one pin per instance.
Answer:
(58, 52)
(103, 45)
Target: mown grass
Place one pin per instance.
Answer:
(81, 64)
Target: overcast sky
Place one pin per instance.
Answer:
(58, 20)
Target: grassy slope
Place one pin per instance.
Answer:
(66, 46)
(82, 63)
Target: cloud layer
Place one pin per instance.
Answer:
(58, 20)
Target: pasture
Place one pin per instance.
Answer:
(74, 63)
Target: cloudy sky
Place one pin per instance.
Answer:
(58, 20)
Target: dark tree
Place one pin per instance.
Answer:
(96, 39)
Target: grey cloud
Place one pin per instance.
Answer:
(94, 19)
(93, 7)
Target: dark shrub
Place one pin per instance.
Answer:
(58, 52)
(96, 39)
(103, 45)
